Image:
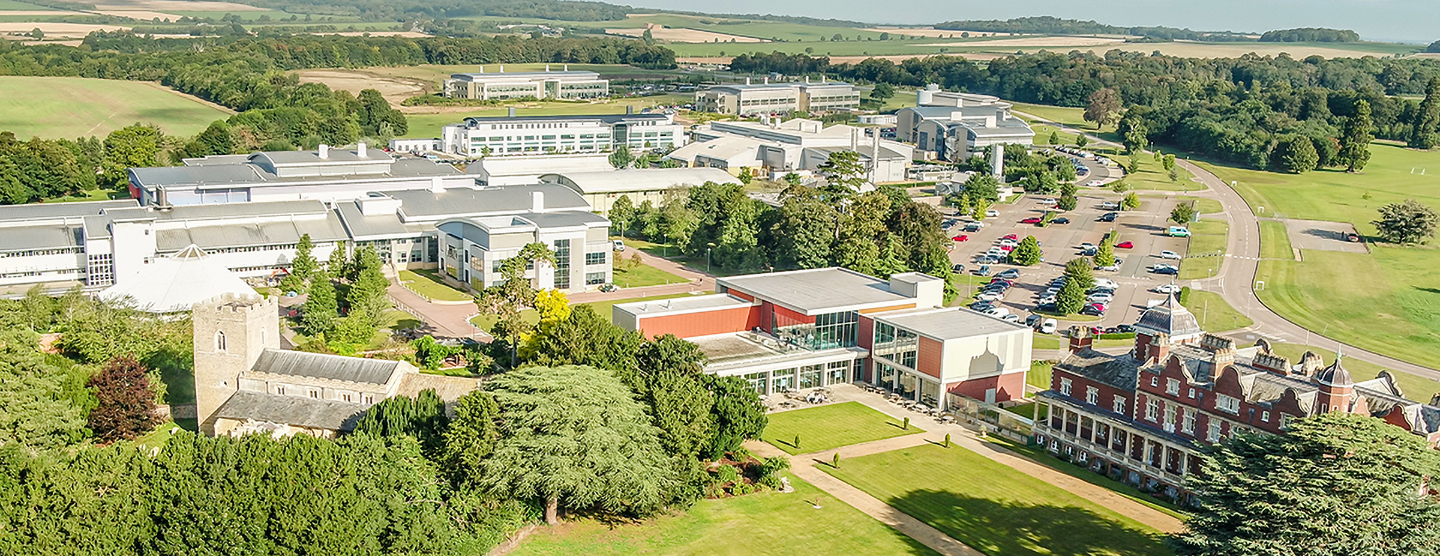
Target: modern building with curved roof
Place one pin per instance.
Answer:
(602, 189)
(175, 283)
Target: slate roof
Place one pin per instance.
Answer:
(1169, 318)
(41, 211)
(1121, 372)
(41, 236)
(292, 410)
(322, 366)
(425, 205)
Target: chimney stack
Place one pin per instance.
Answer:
(324, 151)
(767, 80)
(512, 112)
(360, 149)
(1080, 339)
(162, 199)
(567, 67)
(547, 68)
(537, 201)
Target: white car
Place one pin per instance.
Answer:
(996, 251)
(1107, 205)
(1112, 268)
(1168, 288)
(1095, 183)
(990, 296)
(998, 312)
(992, 213)
(1048, 326)
(1009, 242)
(1106, 283)
(1046, 299)
(1101, 298)
(1169, 255)
(1049, 202)
(1087, 246)
(1012, 317)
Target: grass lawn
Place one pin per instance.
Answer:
(429, 284)
(603, 308)
(1039, 455)
(831, 426)
(1415, 387)
(1387, 301)
(1151, 176)
(1392, 175)
(1203, 205)
(485, 322)
(762, 523)
(158, 437)
(1214, 314)
(1275, 241)
(1207, 240)
(1027, 410)
(644, 275)
(993, 508)
(1039, 375)
(77, 107)
(1046, 341)
(1042, 135)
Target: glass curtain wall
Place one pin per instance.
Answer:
(829, 331)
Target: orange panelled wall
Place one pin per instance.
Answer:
(929, 357)
(1009, 386)
(690, 325)
(885, 309)
(791, 315)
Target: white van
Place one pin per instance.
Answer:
(618, 245)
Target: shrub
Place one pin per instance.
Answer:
(727, 474)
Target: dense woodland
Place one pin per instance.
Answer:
(1050, 25)
(1310, 34)
(1234, 109)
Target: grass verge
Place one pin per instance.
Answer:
(429, 284)
(1214, 314)
(644, 275)
(1039, 455)
(1275, 241)
(1207, 238)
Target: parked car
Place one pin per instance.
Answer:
(1048, 307)
(1049, 202)
(1009, 242)
(958, 268)
(1011, 237)
(961, 237)
(1101, 298)
(1010, 317)
(1048, 299)
(1093, 311)
(982, 306)
(1048, 326)
(998, 311)
(1167, 288)
(1178, 231)
(1002, 280)
(1095, 183)
(1060, 221)
(1109, 216)
(607, 288)
(1031, 220)
(984, 270)
(1169, 255)
(1110, 268)
(1165, 269)
(1125, 245)
(1032, 320)
(992, 213)
(617, 245)
(990, 296)
(1109, 205)
(1007, 248)
(1125, 328)
(1009, 274)
(1106, 283)
(972, 227)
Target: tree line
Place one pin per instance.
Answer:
(1050, 25)
(1310, 34)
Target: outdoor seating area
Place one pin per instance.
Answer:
(927, 407)
(794, 399)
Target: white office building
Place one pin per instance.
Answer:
(778, 98)
(541, 135)
(567, 85)
(954, 126)
(792, 146)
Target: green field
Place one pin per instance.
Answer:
(1393, 175)
(73, 107)
(1207, 239)
(993, 508)
(1154, 177)
(1040, 455)
(1203, 205)
(644, 275)
(12, 5)
(1214, 314)
(762, 523)
(831, 426)
(252, 15)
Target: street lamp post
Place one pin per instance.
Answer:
(708, 248)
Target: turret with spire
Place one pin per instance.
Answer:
(1337, 388)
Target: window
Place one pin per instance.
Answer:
(315, 394)
(369, 399)
(1214, 435)
(595, 258)
(1154, 381)
(1151, 409)
(594, 278)
(1119, 405)
(1188, 425)
(345, 396)
(1065, 386)
(1172, 387)
(219, 341)
(1265, 416)
(1192, 393)
(280, 390)
(1092, 395)
(562, 264)
(1227, 404)
(1169, 418)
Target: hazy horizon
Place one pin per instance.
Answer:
(1413, 21)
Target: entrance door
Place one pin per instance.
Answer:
(989, 395)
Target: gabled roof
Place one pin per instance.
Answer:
(177, 282)
(291, 410)
(328, 367)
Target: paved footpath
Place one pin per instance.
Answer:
(697, 282)
(806, 467)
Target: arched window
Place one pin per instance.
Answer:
(219, 341)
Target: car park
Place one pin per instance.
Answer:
(1110, 268)
(1010, 317)
(1087, 246)
(973, 227)
(1009, 274)
(992, 213)
(1048, 326)
(1010, 237)
(984, 270)
(1007, 248)
(998, 311)
(990, 296)
(1169, 255)
(981, 306)
(1167, 288)
(1060, 221)
(1165, 269)
(961, 237)
(1101, 298)
(1049, 202)
(1092, 311)
(1047, 299)
(1032, 320)
(1125, 245)
(1106, 283)
(1009, 242)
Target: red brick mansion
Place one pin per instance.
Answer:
(1140, 417)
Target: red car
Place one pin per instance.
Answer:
(1031, 220)
(1125, 245)
(1007, 248)
(1011, 236)
(961, 237)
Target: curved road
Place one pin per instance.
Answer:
(1236, 281)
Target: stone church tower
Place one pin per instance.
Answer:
(230, 332)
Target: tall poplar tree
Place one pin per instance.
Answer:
(1355, 139)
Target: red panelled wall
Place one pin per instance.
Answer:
(1009, 386)
(690, 325)
(930, 356)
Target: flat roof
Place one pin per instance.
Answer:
(526, 74)
(949, 323)
(678, 305)
(648, 179)
(232, 171)
(43, 211)
(39, 236)
(605, 118)
(424, 204)
(820, 290)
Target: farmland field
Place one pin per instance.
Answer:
(76, 107)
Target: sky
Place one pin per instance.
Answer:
(1413, 21)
